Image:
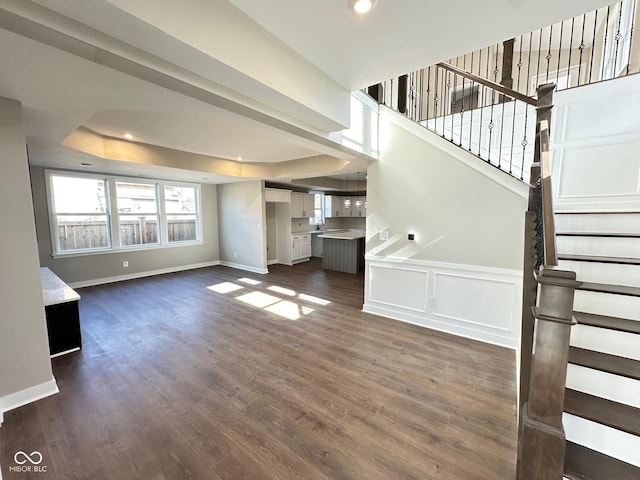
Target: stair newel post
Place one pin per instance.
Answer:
(542, 442)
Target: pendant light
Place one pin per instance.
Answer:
(347, 200)
(358, 202)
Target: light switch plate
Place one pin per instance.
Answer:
(383, 235)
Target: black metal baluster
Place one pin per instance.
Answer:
(495, 69)
(453, 103)
(428, 92)
(529, 62)
(471, 105)
(504, 101)
(538, 62)
(593, 46)
(604, 47)
(581, 48)
(524, 142)
(573, 22)
(560, 51)
(420, 90)
(480, 103)
(491, 124)
(549, 56)
(633, 22)
(435, 102)
(462, 110)
(617, 39)
(513, 126)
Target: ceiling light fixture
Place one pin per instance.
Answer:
(127, 135)
(347, 200)
(361, 6)
(239, 158)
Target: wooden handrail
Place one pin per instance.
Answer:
(548, 221)
(488, 83)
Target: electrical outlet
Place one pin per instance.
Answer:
(125, 264)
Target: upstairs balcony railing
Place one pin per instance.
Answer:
(463, 101)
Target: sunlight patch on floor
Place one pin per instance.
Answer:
(258, 299)
(282, 290)
(276, 305)
(225, 287)
(311, 298)
(289, 310)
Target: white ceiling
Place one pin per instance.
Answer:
(64, 84)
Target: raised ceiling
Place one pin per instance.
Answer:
(266, 81)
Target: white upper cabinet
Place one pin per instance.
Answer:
(302, 205)
(277, 195)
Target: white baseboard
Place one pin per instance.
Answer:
(28, 395)
(480, 303)
(149, 273)
(248, 268)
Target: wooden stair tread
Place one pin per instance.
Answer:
(599, 234)
(586, 464)
(611, 323)
(605, 362)
(599, 259)
(607, 412)
(614, 289)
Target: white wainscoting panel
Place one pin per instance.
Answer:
(475, 302)
(413, 292)
(595, 137)
(486, 302)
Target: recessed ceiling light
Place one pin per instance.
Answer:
(85, 164)
(127, 135)
(238, 158)
(361, 6)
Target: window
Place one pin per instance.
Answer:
(181, 210)
(81, 213)
(318, 210)
(91, 213)
(137, 213)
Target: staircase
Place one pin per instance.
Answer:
(602, 398)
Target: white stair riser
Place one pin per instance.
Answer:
(603, 246)
(601, 223)
(610, 273)
(602, 340)
(607, 440)
(621, 306)
(606, 385)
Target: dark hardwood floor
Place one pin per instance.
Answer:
(178, 381)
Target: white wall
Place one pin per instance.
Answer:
(25, 367)
(462, 273)
(241, 220)
(595, 139)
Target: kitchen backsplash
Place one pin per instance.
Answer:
(302, 225)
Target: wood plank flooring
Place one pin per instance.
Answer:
(178, 381)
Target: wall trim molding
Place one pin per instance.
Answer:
(428, 294)
(148, 273)
(28, 395)
(241, 266)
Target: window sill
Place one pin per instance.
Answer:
(128, 249)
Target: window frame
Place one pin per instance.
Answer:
(113, 215)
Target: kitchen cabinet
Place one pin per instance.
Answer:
(360, 211)
(334, 207)
(277, 195)
(302, 205)
(300, 247)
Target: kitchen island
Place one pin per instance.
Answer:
(343, 251)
